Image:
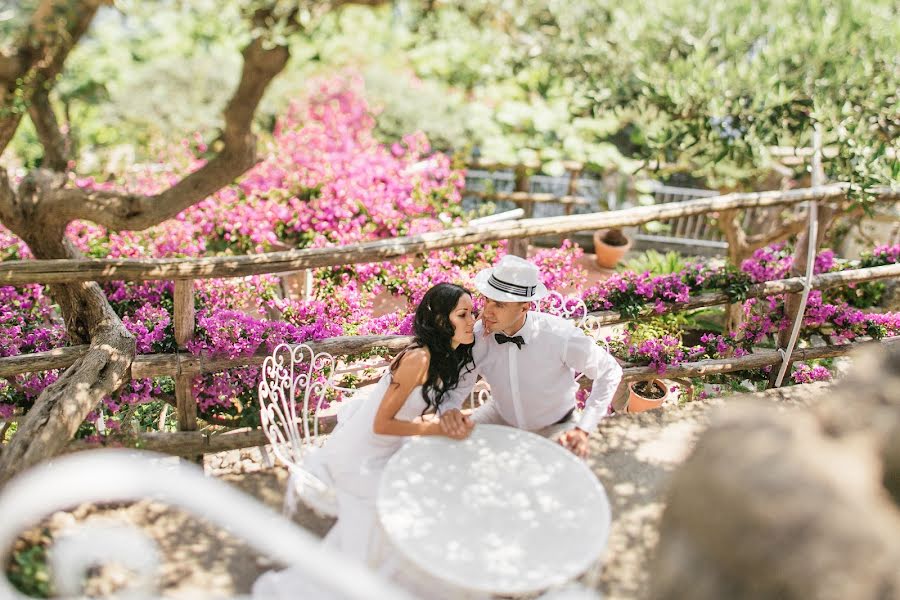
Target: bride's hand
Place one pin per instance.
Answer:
(456, 425)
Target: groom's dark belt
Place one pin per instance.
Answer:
(566, 416)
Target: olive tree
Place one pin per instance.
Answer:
(43, 203)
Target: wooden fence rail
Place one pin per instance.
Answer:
(192, 443)
(56, 271)
(158, 365)
(184, 366)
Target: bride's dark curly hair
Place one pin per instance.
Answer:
(433, 330)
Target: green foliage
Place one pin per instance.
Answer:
(730, 280)
(655, 263)
(146, 416)
(27, 568)
(709, 86)
(379, 351)
(706, 319)
(655, 327)
(10, 431)
(861, 295)
(705, 87)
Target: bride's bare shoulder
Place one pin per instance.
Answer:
(412, 365)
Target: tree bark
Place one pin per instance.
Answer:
(57, 149)
(56, 27)
(61, 408)
(39, 211)
(730, 226)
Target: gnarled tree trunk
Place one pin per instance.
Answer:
(42, 206)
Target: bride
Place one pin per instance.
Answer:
(369, 432)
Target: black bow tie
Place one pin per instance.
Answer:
(518, 340)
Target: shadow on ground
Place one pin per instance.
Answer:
(633, 456)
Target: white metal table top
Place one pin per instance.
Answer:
(504, 511)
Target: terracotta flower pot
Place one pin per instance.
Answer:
(639, 403)
(610, 247)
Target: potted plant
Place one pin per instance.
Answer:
(646, 395)
(610, 245)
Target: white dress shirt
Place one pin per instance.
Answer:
(534, 386)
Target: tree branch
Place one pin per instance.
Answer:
(119, 211)
(56, 145)
(781, 233)
(56, 27)
(730, 226)
(9, 213)
(10, 66)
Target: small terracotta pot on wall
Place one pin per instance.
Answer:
(610, 245)
(639, 402)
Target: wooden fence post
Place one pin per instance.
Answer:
(519, 246)
(574, 169)
(184, 330)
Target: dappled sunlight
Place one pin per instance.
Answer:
(670, 447)
(188, 187)
(502, 510)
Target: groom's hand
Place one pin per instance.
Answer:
(456, 425)
(576, 441)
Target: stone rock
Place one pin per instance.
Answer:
(791, 504)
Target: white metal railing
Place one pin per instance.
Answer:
(127, 475)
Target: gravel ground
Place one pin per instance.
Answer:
(632, 455)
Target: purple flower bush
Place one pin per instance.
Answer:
(327, 181)
(803, 373)
(27, 324)
(826, 312)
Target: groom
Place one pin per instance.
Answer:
(530, 360)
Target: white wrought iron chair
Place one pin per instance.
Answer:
(295, 379)
(574, 309)
(567, 307)
(481, 393)
(116, 475)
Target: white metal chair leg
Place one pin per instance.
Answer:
(266, 459)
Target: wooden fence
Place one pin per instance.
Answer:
(183, 367)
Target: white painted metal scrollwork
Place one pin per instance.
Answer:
(115, 475)
(567, 307)
(593, 328)
(296, 379)
(481, 393)
(87, 545)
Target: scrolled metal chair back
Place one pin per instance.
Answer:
(481, 393)
(593, 328)
(567, 307)
(294, 380)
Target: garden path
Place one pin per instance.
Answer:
(632, 454)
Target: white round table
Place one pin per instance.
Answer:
(502, 512)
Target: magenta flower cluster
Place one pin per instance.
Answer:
(803, 373)
(326, 180)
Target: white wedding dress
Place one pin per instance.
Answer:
(352, 460)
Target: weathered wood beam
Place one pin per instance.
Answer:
(533, 198)
(192, 443)
(54, 271)
(157, 365)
